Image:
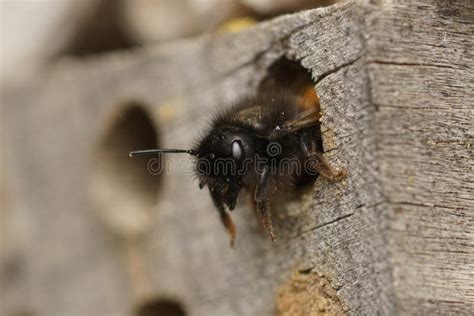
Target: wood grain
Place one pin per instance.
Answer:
(396, 88)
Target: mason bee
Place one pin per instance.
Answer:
(265, 145)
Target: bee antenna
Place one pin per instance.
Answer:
(157, 151)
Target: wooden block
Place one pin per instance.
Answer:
(394, 237)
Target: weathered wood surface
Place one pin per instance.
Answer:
(396, 87)
(422, 84)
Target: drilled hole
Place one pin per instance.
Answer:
(123, 188)
(21, 312)
(102, 31)
(160, 308)
(289, 76)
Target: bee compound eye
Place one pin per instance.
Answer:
(237, 150)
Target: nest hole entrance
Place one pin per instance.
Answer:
(290, 77)
(124, 188)
(160, 307)
(101, 31)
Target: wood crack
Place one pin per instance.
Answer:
(427, 206)
(336, 69)
(410, 64)
(337, 219)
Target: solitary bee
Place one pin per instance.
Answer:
(257, 145)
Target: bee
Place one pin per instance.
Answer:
(256, 146)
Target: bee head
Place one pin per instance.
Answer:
(224, 160)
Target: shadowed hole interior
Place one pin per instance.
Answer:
(289, 76)
(160, 308)
(123, 188)
(102, 31)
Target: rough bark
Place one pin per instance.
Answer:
(396, 86)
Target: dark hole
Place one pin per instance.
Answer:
(288, 76)
(124, 188)
(20, 312)
(102, 31)
(160, 308)
(12, 270)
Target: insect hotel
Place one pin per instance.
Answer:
(87, 230)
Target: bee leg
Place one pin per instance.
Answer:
(325, 169)
(225, 217)
(266, 218)
(318, 163)
(262, 204)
